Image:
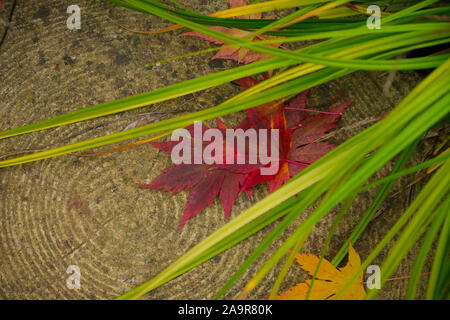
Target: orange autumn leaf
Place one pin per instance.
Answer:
(329, 279)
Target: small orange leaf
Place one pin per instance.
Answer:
(329, 279)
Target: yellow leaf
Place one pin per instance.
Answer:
(329, 279)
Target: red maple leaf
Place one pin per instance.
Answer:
(298, 147)
(240, 55)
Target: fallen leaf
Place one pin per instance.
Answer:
(329, 279)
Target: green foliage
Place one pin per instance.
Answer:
(347, 45)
